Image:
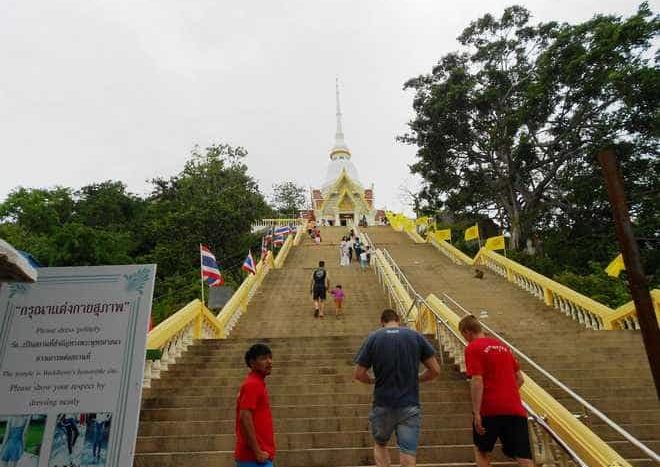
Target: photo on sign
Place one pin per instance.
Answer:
(20, 439)
(80, 440)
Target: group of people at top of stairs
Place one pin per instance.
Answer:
(314, 233)
(394, 353)
(319, 290)
(351, 245)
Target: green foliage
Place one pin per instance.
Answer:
(288, 198)
(511, 122)
(212, 200)
(597, 285)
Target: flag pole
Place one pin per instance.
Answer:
(478, 236)
(201, 272)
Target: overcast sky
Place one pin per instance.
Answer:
(118, 89)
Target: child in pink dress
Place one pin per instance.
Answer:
(338, 294)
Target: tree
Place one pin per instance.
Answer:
(212, 201)
(505, 123)
(288, 198)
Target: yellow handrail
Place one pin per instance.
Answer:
(193, 311)
(584, 442)
(300, 231)
(284, 252)
(401, 223)
(587, 311)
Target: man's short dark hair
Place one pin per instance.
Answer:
(321, 264)
(256, 351)
(388, 315)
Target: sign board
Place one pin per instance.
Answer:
(72, 348)
(219, 296)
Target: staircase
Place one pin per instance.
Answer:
(320, 414)
(607, 368)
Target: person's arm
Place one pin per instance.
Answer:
(477, 393)
(520, 379)
(432, 369)
(250, 434)
(360, 374)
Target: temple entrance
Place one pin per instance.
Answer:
(344, 218)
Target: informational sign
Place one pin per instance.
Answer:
(72, 349)
(219, 296)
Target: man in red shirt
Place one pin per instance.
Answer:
(496, 406)
(255, 442)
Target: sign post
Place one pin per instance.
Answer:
(72, 359)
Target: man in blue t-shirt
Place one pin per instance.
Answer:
(394, 353)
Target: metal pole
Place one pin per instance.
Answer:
(201, 272)
(638, 283)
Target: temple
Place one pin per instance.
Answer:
(342, 199)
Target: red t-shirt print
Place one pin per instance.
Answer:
(253, 396)
(494, 362)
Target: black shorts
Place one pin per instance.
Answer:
(512, 432)
(318, 293)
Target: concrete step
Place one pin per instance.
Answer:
(286, 441)
(314, 457)
(291, 399)
(296, 411)
(289, 425)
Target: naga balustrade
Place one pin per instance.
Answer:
(167, 341)
(585, 310)
(558, 437)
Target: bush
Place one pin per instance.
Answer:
(597, 285)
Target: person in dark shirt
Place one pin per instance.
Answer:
(319, 287)
(394, 353)
(495, 379)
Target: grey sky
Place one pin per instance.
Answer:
(96, 90)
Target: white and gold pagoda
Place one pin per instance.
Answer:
(342, 200)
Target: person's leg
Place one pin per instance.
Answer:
(482, 459)
(382, 455)
(484, 444)
(381, 424)
(409, 422)
(515, 440)
(321, 307)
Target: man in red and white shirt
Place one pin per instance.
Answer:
(255, 441)
(496, 405)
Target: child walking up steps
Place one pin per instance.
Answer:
(338, 295)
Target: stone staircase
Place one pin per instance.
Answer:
(320, 414)
(607, 368)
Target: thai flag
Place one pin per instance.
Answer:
(210, 271)
(264, 247)
(248, 264)
(278, 240)
(284, 230)
(269, 236)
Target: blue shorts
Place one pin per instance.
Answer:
(268, 463)
(405, 421)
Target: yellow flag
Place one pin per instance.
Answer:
(472, 232)
(422, 220)
(616, 266)
(495, 243)
(444, 234)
